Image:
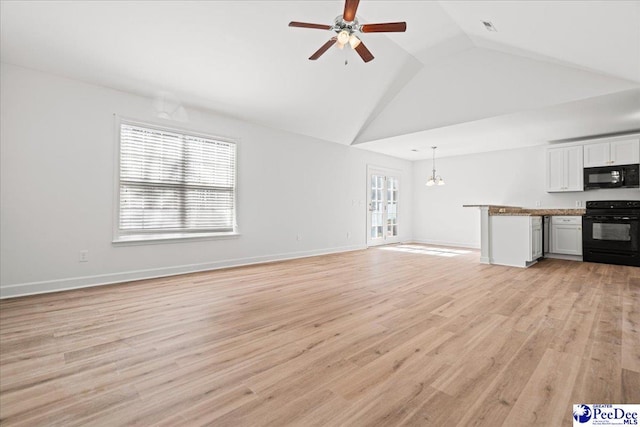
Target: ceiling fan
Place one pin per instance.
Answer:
(345, 26)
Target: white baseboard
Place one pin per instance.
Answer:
(33, 288)
(442, 243)
(527, 264)
(562, 256)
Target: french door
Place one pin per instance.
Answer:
(382, 202)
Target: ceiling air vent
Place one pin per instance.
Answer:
(489, 26)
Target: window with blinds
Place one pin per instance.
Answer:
(172, 182)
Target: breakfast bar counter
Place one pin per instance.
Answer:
(493, 233)
(497, 210)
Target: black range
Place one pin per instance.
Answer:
(611, 232)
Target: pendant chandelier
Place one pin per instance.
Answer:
(434, 179)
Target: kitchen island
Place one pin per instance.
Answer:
(511, 235)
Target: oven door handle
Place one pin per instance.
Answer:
(611, 218)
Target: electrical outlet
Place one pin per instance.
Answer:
(298, 236)
(578, 203)
(83, 256)
(538, 203)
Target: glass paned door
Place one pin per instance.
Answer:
(376, 207)
(392, 206)
(382, 215)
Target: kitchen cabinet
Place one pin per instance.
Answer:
(565, 169)
(566, 235)
(615, 152)
(536, 238)
(515, 240)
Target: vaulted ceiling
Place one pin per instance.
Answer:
(552, 70)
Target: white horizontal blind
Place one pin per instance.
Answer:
(175, 182)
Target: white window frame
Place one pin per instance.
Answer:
(150, 237)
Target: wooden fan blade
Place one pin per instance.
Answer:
(350, 8)
(389, 27)
(364, 52)
(323, 49)
(307, 25)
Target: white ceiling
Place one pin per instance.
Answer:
(608, 114)
(446, 81)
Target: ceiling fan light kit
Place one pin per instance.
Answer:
(354, 41)
(343, 37)
(345, 26)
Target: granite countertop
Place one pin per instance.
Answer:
(489, 206)
(498, 210)
(539, 212)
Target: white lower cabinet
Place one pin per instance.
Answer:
(536, 238)
(515, 240)
(566, 235)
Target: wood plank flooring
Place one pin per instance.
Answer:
(393, 336)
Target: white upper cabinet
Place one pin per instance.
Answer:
(597, 155)
(625, 152)
(616, 152)
(564, 169)
(575, 169)
(555, 169)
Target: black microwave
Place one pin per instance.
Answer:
(623, 176)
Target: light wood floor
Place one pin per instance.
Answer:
(375, 337)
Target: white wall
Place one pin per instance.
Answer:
(509, 177)
(57, 178)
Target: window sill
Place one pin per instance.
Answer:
(150, 239)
